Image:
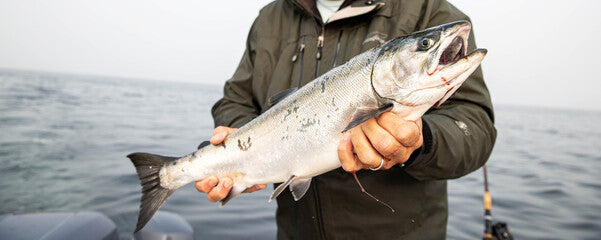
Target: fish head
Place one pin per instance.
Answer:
(425, 68)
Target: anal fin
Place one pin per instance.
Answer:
(299, 187)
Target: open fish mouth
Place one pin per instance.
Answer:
(456, 50)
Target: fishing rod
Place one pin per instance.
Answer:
(498, 231)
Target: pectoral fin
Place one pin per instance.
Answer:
(365, 113)
(299, 187)
(275, 99)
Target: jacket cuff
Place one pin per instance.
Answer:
(426, 146)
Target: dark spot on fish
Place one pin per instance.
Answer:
(306, 123)
(244, 145)
(223, 145)
(334, 105)
(289, 111)
(323, 84)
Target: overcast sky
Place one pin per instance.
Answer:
(541, 52)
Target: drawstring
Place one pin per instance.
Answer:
(320, 40)
(301, 51)
(337, 49)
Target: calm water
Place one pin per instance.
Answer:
(63, 141)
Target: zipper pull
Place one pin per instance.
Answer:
(319, 45)
(300, 50)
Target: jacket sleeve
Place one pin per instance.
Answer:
(238, 105)
(460, 134)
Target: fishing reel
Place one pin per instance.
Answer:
(500, 231)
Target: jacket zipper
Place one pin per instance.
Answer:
(318, 212)
(318, 216)
(337, 50)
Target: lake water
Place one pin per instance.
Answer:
(64, 138)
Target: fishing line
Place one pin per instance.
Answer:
(368, 194)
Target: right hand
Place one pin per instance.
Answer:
(215, 188)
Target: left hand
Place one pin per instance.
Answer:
(217, 189)
(388, 137)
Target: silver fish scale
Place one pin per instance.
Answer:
(307, 123)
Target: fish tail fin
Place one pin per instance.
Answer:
(154, 195)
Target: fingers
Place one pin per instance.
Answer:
(219, 192)
(366, 153)
(255, 188)
(207, 184)
(220, 133)
(383, 142)
(348, 159)
(387, 138)
(216, 190)
(407, 133)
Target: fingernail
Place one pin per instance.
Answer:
(216, 136)
(227, 183)
(212, 182)
(347, 136)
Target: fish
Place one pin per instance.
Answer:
(297, 137)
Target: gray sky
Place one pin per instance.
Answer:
(541, 52)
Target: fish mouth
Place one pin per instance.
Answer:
(454, 49)
(470, 61)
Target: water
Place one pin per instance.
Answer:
(63, 141)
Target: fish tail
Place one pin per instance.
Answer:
(154, 195)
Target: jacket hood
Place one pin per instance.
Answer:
(351, 8)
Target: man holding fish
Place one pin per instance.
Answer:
(404, 162)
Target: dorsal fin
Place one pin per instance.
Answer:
(275, 99)
(365, 113)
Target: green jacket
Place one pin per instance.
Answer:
(288, 43)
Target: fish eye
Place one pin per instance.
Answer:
(425, 44)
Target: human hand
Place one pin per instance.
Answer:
(215, 188)
(387, 139)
